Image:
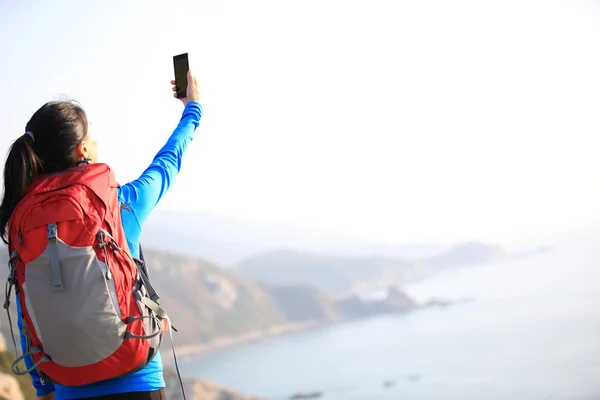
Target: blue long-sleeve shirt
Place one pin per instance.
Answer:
(142, 194)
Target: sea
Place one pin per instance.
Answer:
(530, 330)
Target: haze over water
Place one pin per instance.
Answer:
(532, 332)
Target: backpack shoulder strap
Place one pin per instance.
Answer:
(144, 267)
(141, 263)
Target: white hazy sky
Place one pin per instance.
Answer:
(390, 120)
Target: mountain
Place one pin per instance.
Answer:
(227, 240)
(336, 275)
(303, 303)
(345, 275)
(206, 302)
(203, 300)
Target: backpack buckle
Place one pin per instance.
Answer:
(52, 231)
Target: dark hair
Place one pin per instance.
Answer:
(56, 130)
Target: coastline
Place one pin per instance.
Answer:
(191, 350)
(221, 343)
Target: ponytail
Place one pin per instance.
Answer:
(22, 166)
(59, 127)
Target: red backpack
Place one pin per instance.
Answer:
(89, 311)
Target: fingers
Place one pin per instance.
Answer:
(191, 77)
(191, 90)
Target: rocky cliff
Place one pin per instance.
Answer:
(11, 387)
(196, 389)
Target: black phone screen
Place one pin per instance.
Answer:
(181, 65)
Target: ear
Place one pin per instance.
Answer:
(91, 145)
(92, 150)
(81, 151)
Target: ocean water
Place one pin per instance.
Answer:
(531, 331)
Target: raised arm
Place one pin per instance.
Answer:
(145, 192)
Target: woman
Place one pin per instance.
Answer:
(56, 138)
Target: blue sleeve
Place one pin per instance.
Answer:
(145, 192)
(41, 388)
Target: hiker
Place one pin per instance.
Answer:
(49, 174)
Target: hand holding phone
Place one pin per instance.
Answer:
(181, 66)
(185, 84)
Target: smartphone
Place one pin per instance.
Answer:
(181, 65)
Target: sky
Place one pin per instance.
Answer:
(399, 121)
